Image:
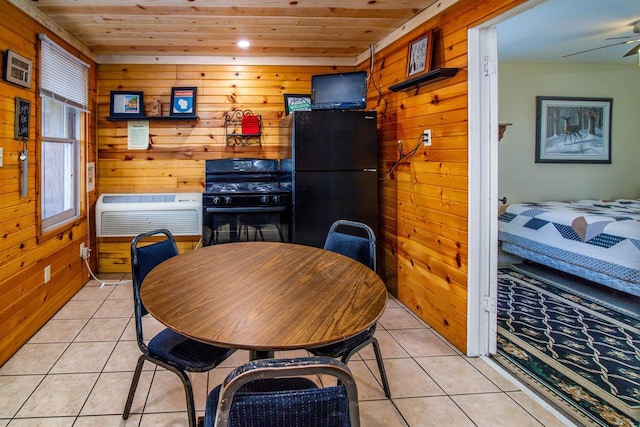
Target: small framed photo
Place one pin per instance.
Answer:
(295, 102)
(419, 55)
(126, 104)
(183, 101)
(573, 130)
(18, 69)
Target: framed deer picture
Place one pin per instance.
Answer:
(573, 130)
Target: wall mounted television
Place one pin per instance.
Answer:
(342, 91)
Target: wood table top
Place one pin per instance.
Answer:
(264, 295)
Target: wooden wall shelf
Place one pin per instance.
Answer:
(502, 127)
(430, 77)
(154, 118)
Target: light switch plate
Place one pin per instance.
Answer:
(1, 157)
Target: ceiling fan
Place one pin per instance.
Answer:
(634, 39)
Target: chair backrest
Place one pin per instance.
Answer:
(144, 257)
(335, 406)
(353, 239)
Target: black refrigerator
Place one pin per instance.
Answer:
(334, 159)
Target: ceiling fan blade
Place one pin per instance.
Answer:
(633, 51)
(619, 38)
(595, 48)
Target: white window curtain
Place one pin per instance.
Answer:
(63, 76)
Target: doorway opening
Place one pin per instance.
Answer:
(483, 192)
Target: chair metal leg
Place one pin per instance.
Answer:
(213, 238)
(132, 389)
(383, 373)
(257, 229)
(188, 391)
(186, 382)
(376, 349)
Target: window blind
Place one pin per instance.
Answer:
(63, 76)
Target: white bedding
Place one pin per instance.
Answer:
(595, 239)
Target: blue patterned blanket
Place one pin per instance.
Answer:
(595, 239)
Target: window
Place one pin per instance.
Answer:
(64, 83)
(60, 162)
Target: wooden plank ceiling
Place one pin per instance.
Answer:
(302, 28)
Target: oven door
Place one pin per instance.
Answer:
(238, 223)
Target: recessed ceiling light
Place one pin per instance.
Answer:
(243, 44)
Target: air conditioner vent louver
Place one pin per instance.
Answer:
(131, 214)
(139, 198)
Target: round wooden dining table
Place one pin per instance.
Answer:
(264, 296)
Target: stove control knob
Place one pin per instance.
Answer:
(227, 200)
(216, 200)
(276, 199)
(264, 200)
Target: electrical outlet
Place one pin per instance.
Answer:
(426, 138)
(84, 251)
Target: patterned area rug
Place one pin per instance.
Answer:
(581, 354)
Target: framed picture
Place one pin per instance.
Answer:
(18, 69)
(126, 104)
(419, 55)
(183, 101)
(293, 102)
(23, 113)
(573, 130)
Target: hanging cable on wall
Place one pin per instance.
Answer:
(378, 88)
(404, 155)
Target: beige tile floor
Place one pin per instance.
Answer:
(77, 369)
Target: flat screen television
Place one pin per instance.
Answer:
(343, 91)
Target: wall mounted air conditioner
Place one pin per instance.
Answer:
(132, 214)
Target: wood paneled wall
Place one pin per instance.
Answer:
(424, 202)
(177, 152)
(175, 158)
(26, 302)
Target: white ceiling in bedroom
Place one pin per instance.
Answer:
(548, 31)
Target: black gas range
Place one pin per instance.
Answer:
(246, 193)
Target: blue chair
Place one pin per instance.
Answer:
(355, 240)
(272, 393)
(168, 349)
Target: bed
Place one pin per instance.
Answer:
(598, 240)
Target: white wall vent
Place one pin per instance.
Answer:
(132, 214)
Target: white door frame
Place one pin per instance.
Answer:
(483, 191)
(482, 284)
